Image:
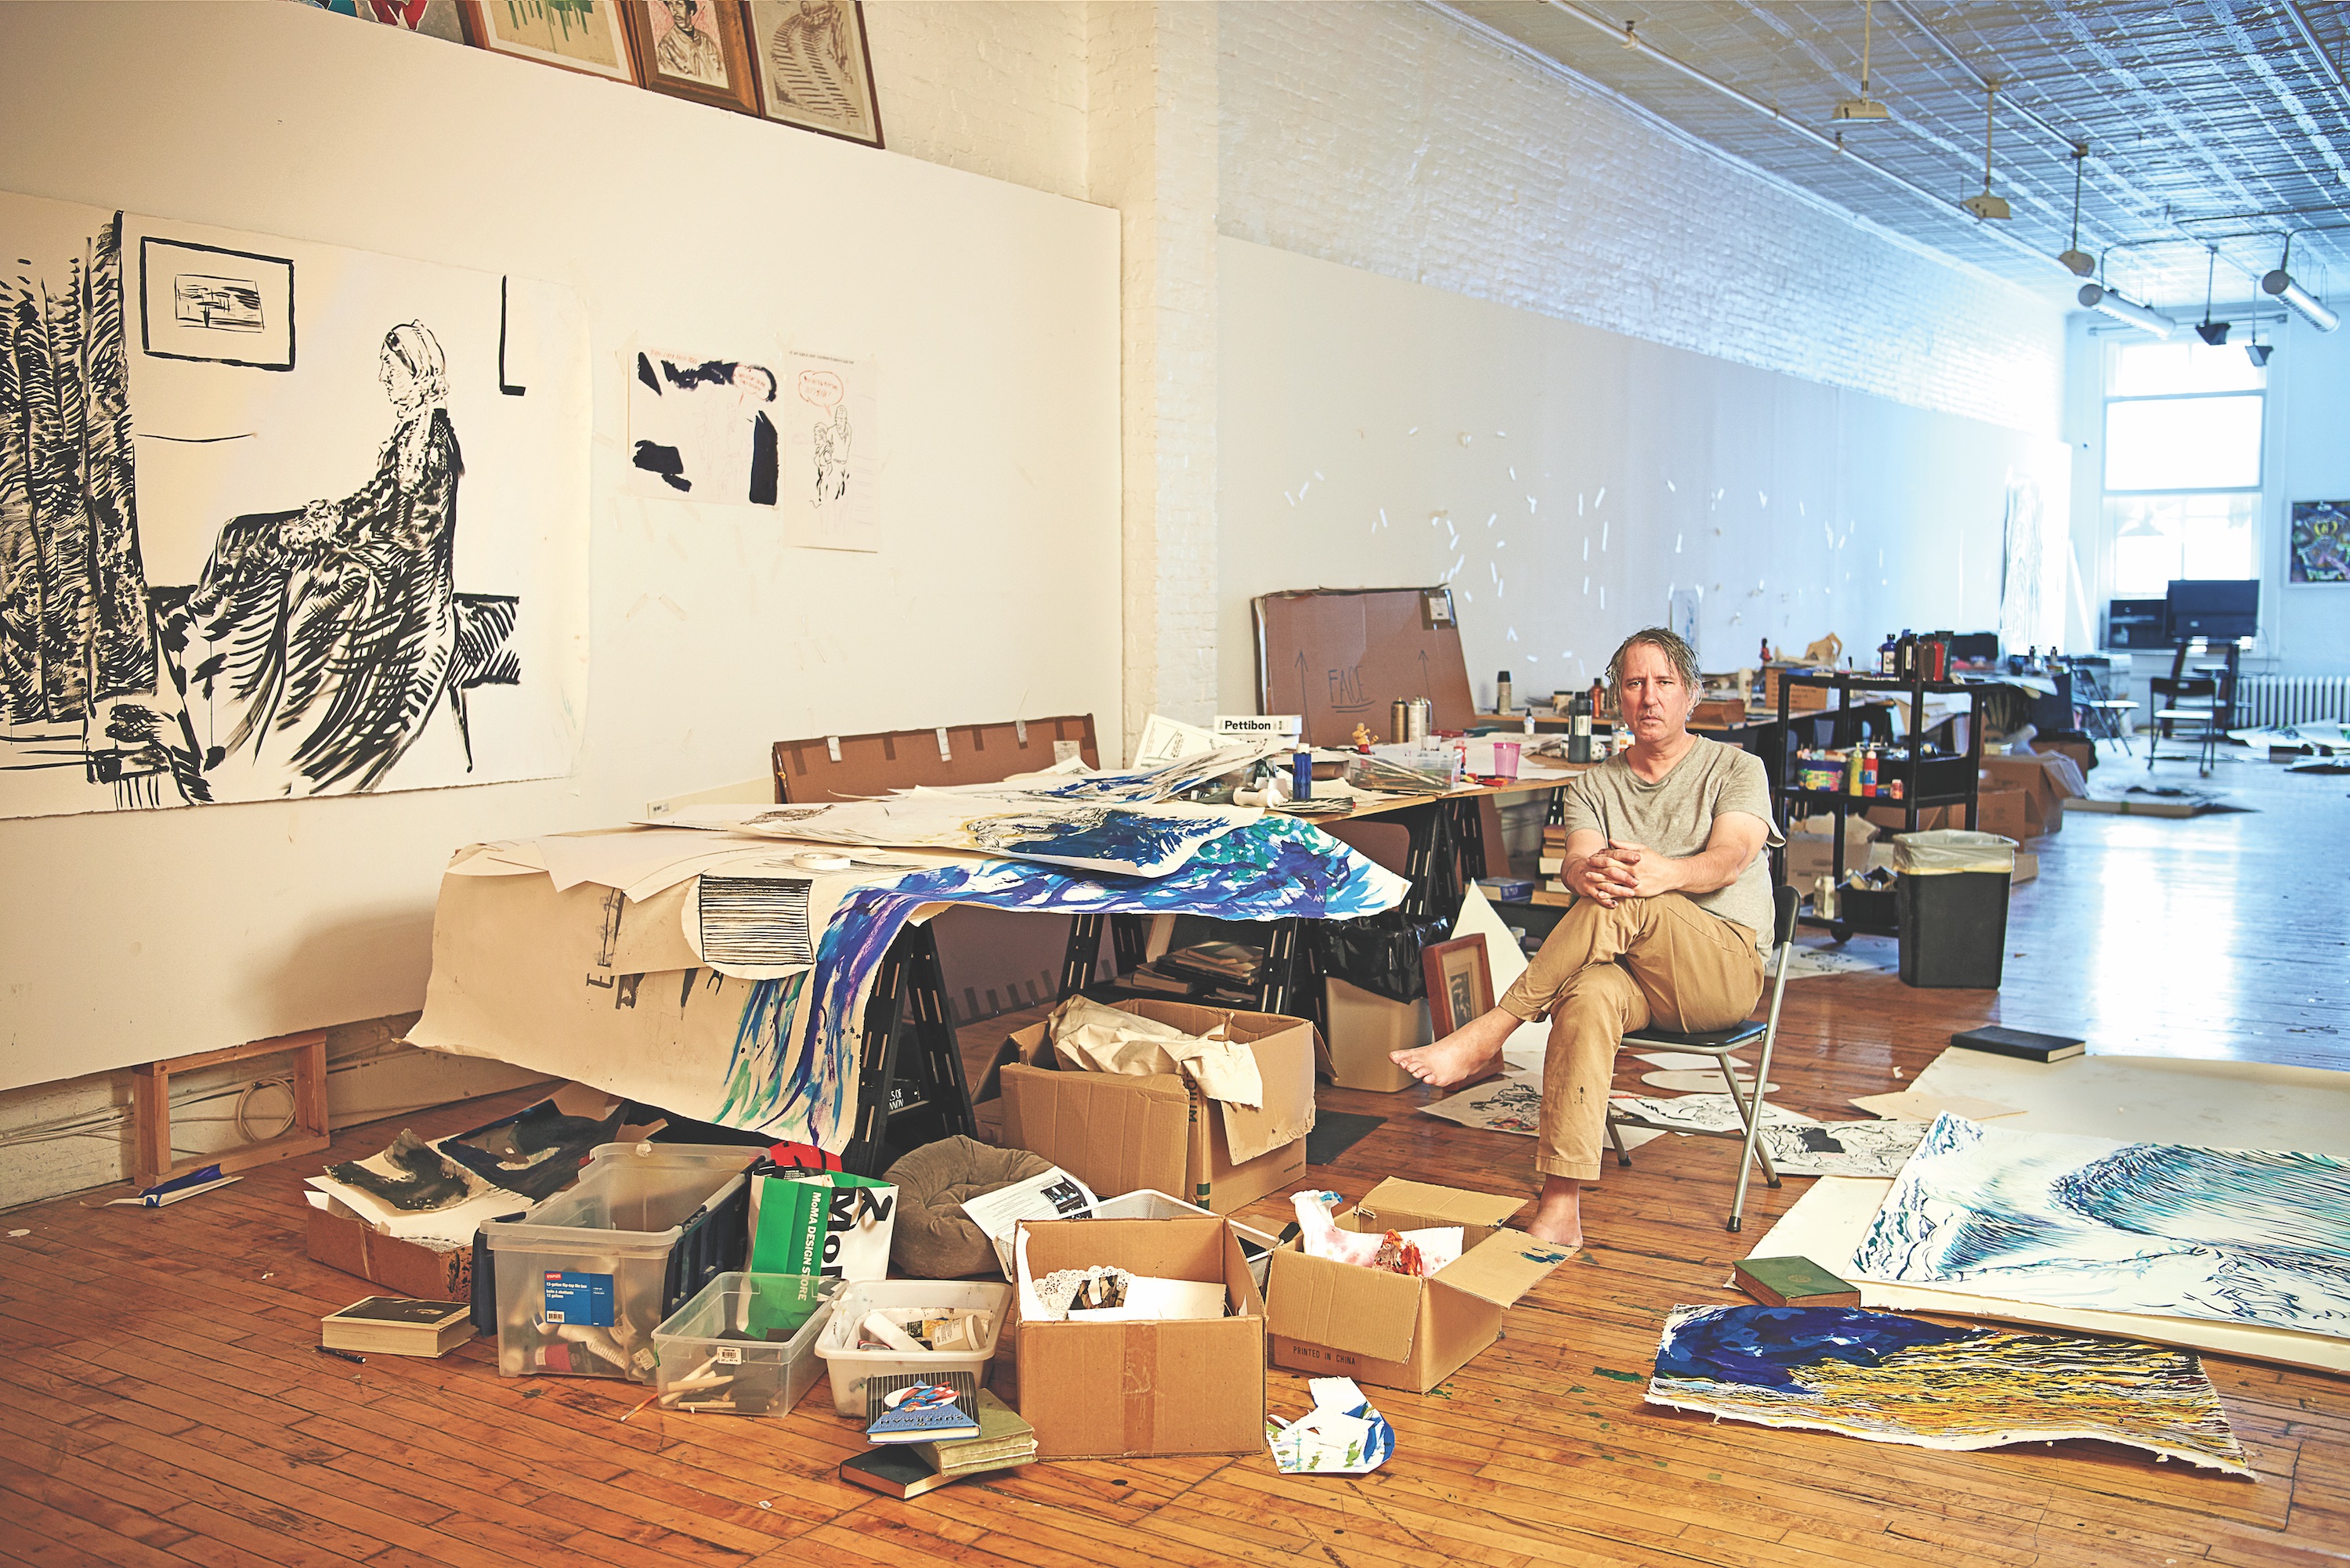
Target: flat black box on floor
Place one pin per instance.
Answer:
(1953, 928)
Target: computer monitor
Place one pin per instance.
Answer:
(2218, 610)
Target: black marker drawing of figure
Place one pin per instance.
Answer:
(333, 629)
(725, 447)
(831, 441)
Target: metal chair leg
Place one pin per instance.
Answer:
(1762, 1076)
(1615, 1137)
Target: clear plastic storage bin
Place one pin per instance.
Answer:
(584, 1279)
(708, 1363)
(851, 1368)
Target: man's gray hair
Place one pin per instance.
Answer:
(1683, 657)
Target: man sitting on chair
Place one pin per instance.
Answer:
(1671, 916)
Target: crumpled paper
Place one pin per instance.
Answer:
(1415, 1252)
(1091, 1037)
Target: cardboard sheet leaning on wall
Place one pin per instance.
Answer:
(632, 997)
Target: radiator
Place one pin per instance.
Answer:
(2291, 699)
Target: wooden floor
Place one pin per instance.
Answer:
(161, 1402)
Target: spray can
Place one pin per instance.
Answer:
(1852, 771)
(1868, 771)
(1419, 718)
(1399, 721)
(1505, 694)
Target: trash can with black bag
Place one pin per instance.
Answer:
(1950, 896)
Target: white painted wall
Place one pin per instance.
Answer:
(1567, 479)
(992, 310)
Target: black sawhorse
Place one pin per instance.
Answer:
(910, 1089)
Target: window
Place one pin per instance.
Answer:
(2183, 477)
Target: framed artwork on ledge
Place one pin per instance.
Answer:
(694, 50)
(2321, 542)
(814, 70)
(576, 35)
(1460, 982)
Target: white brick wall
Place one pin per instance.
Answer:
(994, 87)
(1398, 139)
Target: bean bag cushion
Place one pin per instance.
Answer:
(934, 1239)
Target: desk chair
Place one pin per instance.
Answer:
(1718, 1044)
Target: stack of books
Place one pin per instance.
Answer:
(909, 1469)
(1554, 861)
(397, 1326)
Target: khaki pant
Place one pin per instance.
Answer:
(1603, 973)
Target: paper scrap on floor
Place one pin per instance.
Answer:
(1811, 962)
(1699, 1113)
(1915, 1106)
(1689, 1062)
(1509, 1104)
(1341, 1436)
(1842, 1148)
(1701, 1082)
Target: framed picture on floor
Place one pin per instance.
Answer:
(2321, 542)
(576, 35)
(1460, 982)
(696, 50)
(814, 70)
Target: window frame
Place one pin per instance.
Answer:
(2110, 369)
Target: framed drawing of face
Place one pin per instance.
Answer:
(576, 35)
(1459, 983)
(814, 70)
(694, 50)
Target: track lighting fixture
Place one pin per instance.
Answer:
(2213, 332)
(2098, 297)
(2259, 352)
(1988, 205)
(2079, 261)
(2300, 300)
(1864, 107)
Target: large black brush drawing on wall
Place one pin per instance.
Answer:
(316, 647)
(332, 630)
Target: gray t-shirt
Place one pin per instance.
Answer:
(1674, 817)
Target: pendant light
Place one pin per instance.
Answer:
(1864, 107)
(2213, 332)
(2079, 260)
(1988, 205)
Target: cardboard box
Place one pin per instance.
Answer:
(1116, 1134)
(1391, 1330)
(2006, 810)
(1126, 1390)
(2048, 779)
(2027, 866)
(1811, 855)
(2082, 752)
(1894, 817)
(1366, 1026)
(404, 1268)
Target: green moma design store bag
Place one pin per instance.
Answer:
(825, 1223)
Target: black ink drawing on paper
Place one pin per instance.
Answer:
(700, 428)
(76, 631)
(223, 306)
(331, 633)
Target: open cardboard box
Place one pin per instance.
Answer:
(1131, 1390)
(342, 1240)
(1393, 1330)
(1116, 1134)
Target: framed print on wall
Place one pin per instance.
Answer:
(576, 35)
(2321, 542)
(814, 70)
(694, 50)
(1460, 982)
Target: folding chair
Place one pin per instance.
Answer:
(1718, 1044)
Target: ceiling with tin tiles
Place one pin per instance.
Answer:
(2209, 125)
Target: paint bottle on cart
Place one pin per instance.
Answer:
(1868, 771)
(1887, 653)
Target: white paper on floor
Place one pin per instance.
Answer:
(1843, 1148)
(1701, 1112)
(1810, 963)
(2160, 1099)
(1700, 1083)
(1687, 1061)
(1511, 1103)
(1917, 1106)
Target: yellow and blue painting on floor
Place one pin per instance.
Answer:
(1893, 1379)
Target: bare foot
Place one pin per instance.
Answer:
(1458, 1057)
(1558, 1216)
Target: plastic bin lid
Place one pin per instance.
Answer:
(1952, 849)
